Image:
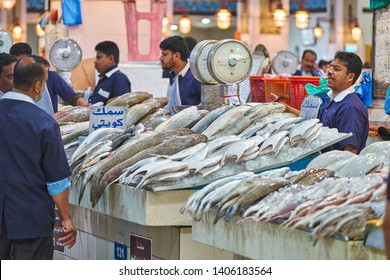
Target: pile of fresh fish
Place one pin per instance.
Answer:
(346, 164)
(313, 200)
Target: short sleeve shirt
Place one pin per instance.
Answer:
(32, 154)
(347, 115)
(111, 84)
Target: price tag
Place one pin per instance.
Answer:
(58, 232)
(310, 107)
(120, 251)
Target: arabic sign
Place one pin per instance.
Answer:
(58, 232)
(107, 116)
(140, 247)
(310, 107)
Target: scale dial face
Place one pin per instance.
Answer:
(285, 62)
(5, 41)
(198, 62)
(65, 54)
(229, 61)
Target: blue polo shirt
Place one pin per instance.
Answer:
(347, 113)
(111, 84)
(58, 87)
(32, 154)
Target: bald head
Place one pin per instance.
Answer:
(30, 75)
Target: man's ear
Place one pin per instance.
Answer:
(350, 77)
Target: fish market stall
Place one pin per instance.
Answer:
(134, 180)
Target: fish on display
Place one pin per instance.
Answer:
(168, 147)
(129, 99)
(75, 114)
(207, 120)
(139, 111)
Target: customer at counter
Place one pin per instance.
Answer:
(34, 170)
(308, 65)
(55, 86)
(112, 82)
(183, 88)
(7, 64)
(344, 110)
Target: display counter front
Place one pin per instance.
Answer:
(273, 242)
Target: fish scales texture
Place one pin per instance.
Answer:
(170, 146)
(325, 159)
(76, 114)
(194, 200)
(236, 127)
(129, 99)
(187, 120)
(139, 111)
(201, 125)
(187, 111)
(262, 187)
(225, 119)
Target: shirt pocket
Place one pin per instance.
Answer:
(103, 93)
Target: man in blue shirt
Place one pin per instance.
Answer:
(308, 63)
(55, 86)
(344, 110)
(183, 88)
(112, 82)
(33, 170)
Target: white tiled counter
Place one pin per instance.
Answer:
(270, 241)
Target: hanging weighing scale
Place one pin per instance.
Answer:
(65, 54)
(5, 41)
(218, 66)
(285, 62)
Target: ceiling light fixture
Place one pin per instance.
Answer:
(7, 4)
(185, 24)
(223, 17)
(279, 14)
(301, 17)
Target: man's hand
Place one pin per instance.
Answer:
(70, 232)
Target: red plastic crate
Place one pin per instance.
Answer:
(257, 92)
(261, 87)
(297, 88)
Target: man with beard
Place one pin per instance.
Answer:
(183, 88)
(34, 170)
(344, 110)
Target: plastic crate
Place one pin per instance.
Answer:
(257, 92)
(297, 89)
(261, 87)
(278, 86)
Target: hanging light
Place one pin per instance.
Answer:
(301, 17)
(223, 17)
(318, 31)
(280, 15)
(165, 25)
(185, 24)
(17, 32)
(356, 32)
(7, 4)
